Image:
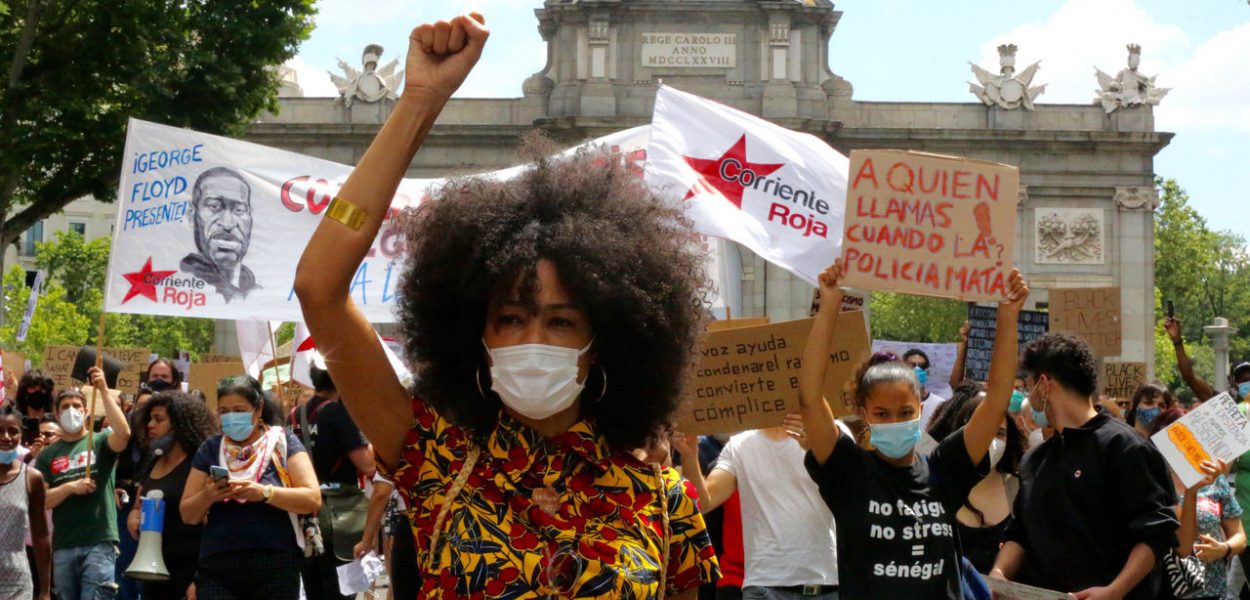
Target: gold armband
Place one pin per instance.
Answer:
(346, 213)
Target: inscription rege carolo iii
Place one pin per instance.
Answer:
(708, 50)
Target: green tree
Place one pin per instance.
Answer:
(907, 318)
(74, 262)
(56, 321)
(76, 71)
(1205, 273)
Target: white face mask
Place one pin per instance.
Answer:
(997, 449)
(536, 380)
(72, 420)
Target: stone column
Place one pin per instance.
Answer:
(598, 98)
(1218, 331)
(781, 100)
(1136, 272)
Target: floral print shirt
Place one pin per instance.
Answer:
(1215, 503)
(604, 541)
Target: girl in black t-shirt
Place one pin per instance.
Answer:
(895, 512)
(170, 427)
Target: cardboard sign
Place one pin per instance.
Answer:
(930, 225)
(135, 364)
(1214, 430)
(747, 378)
(1010, 590)
(984, 321)
(851, 346)
(1091, 313)
(58, 363)
(1121, 379)
(204, 377)
(941, 361)
(218, 358)
(14, 368)
(725, 325)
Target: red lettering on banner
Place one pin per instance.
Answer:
(808, 224)
(185, 298)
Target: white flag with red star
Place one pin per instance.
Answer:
(778, 192)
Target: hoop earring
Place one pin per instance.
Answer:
(603, 390)
(477, 378)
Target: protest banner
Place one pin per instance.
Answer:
(1214, 430)
(741, 178)
(1121, 379)
(983, 321)
(1091, 313)
(235, 257)
(58, 363)
(746, 378)
(204, 377)
(941, 361)
(1010, 590)
(850, 346)
(32, 302)
(929, 224)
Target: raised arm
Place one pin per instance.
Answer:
(119, 425)
(983, 425)
(1202, 390)
(957, 372)
(822, 434)
(440, 56)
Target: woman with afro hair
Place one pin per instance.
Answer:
(549, 320)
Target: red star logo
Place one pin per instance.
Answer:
(711, 181)
(141, 283)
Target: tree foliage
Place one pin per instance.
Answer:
(69, 309)
(907, 318)
(76, 71)
(1206, 273)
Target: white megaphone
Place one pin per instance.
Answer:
(148, 564)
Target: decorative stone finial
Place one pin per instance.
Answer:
(1128, 88)
(1007, 90)
(372, 84)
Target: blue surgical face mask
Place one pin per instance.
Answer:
(1017, 401)
(922, 375)
(1243, 389)
(1039, 417)
(8, 456)
(1147, 416)
(237, 425)
(895, 440)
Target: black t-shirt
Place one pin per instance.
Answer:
(177, 538)
(234, 526)
(334, 437)
(896, 525)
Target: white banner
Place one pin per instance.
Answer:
(778, 192)
(213, 227)
(32, 302)
(941, 361)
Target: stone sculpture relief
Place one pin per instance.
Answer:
(1007, 90)
(1070, 236)
(1128, 88)
(370, 85)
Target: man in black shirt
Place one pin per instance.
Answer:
(341, 456)
(1094, 513)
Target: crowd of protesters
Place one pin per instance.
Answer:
(550, 320)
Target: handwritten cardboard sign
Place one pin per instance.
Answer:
(1091, 313)
(135, 363)
(851, 346)
(58, 363)
(984, 322)
(929, 224)
(1214, 430)
(14, 368)
(746, 378)
(204, 377)
(1010, 590)
(725, 325)
(1121, 379)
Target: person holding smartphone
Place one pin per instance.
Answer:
(247, 485)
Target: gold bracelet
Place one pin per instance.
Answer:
(346, 213)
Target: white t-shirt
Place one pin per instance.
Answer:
(787, 530)
(928, 407)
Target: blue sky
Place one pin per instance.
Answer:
(917, 50)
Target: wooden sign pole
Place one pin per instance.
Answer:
(90, 424)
